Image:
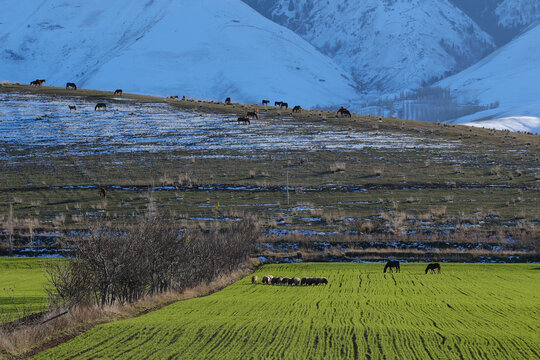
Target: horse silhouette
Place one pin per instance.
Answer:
(392, 265)
(278, 103)
(37, 82)
(253, 114)
(102, 106)
(432, 267)
(118, 92)
(266, 102)
(71, 86)
(297, 108)
(284, 105)
(344, 112)
(72, 107)
(243, 120)
(228, 101)
(102, 193)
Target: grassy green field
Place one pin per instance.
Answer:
(22, 287)
(470, 311)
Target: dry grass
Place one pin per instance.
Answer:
(338, 167)
(28, 339)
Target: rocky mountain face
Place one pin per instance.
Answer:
(387, 45)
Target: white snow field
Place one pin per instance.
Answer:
(514, 123)
(206, 49)
(510, 77)
(36, 124)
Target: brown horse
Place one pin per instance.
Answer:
(265, 102)
(103, 193)
(71, 86)
(118, 92)
(344, 112)
(37, 82)
(243, 120)
(278, 103)
(297, 108)
(228, 101)
(72, 107)
(432, 267)
(253, 114)
(392, 265)
(101, 106)
(284, 105)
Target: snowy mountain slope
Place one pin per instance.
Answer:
(516, 13)
(389, 45)
(516, 123)
(207, 49)
(509, 76)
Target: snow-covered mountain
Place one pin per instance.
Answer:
(388, 45)
(509, 77)
(206, 49)
(517, 13)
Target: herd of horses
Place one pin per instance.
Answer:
(394, 265)
(281, 280)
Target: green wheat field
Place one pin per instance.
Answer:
(469, 311)
(22, 287)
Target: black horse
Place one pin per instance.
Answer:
(432, 267)
(297, 108)
(71, 86)
(392, 265)
(118, 92)
(266, 102)
(228, 101)
(243, 120)
(284, 105)
(344, 111)
(102, 106)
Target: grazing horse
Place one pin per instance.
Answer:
(72, 107)
(278, 103)
(253, 114)
(173, 97)
(254, 279)
(71, 86)
(344, 112)
(265, 102)
(297, 108)
(391, 265)
(243, 120)
(118, 92)
(37, 82)
(101, 106)
(102, 193)
(284, 105)
(432, 267)
(228, 101)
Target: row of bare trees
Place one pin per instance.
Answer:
(124, 263)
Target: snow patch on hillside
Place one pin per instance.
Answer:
(515, 13)
(514, 123)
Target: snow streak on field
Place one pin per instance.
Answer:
(37, 122)
(468, 312)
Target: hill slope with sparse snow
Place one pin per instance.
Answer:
(207, 49)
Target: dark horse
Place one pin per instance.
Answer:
(392, 264)
(37, 82)
(344, 112)
(297, 108)
(433, 267)
(284, 105)
(243, 120)
(228, 101)
(118, 92)
(266, 102)
(277, 103)
(71, 85)
(102, 193)
(102, 106)
(253, 114)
